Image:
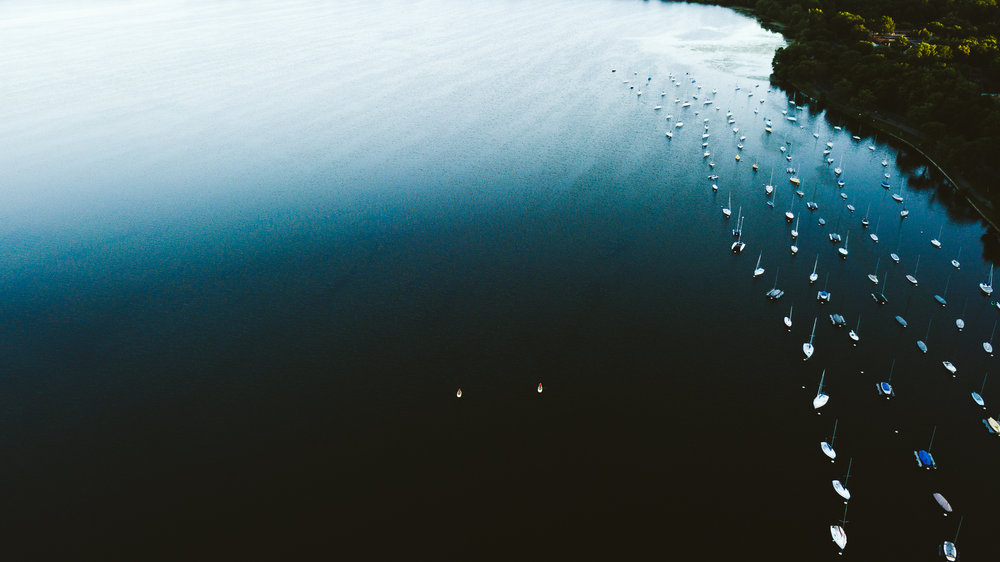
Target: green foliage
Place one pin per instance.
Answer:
(931, 80)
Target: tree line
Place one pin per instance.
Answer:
(930, 67)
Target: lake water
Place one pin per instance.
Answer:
(252, 251)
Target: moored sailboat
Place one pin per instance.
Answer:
(807, 348)
(821, 397)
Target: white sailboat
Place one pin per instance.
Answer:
(955, 263)
(912, 277)
(843, 251)
(936, 242)
(813, 276)
(728, 209)
(864, 221)
(922, 344)
(960, 322)
(827, 446)
(795, 231)
(788, 319)
(775, 293)
(977, 397)
(988, 345)
(838, 533)
(807, 348)
(948, 548)
(853, 334)
(841, 489)
(987, 287)
(821, 397)
(459, 393)
(758, 270)
(874, 235)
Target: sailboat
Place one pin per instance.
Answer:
(874, 235)
(738, 246)
(884, 388)
(864, 221)
(775, 293)
(904, 212)
(795, 231)
(853, 334)
(911, 277)
(880, 297)
(821, 397)
(807, 348)
(988, 345)
(959, 322)
(941, 298)
(838, 533)
(843, 251)
(948, 548)
(813, 276)
(955, 263)
(789, 215)
(977, 397)
(788, 319)
(922, 344)
(987, 287)
(758, 271)
(841, 489)
(769, 188)
(936, 242)
(924, 458)
(873, 277)
(727, 210)
(827, 447)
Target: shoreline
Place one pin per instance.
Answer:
(969, 193)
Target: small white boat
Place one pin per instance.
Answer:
(912, 277)
(727, 210)
(795, 249)
(955, 263)
(841, 489)
(788, 319)
(807, 348)
(987, 287)
(950, 367)
(843, 251)
(813, 276)
(948, 548)
(827, 446)
(539, 388)
(853, 334)
(795, 231)
(794, 180)
(821, 397)
(670, 135)
(758, 270)
(936, 242)
(657, 107)
(941, 501)
(977, 397)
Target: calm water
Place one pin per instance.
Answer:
(252, 251)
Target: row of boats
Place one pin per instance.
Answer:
(883, 388)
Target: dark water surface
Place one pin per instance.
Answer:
(252, 251)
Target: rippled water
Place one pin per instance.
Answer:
(252, 251)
